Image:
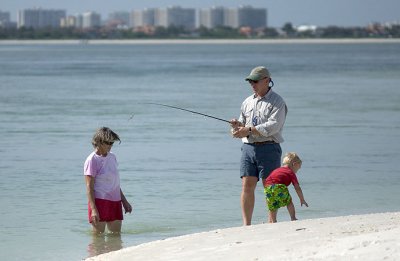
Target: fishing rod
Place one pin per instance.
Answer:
(182, 109)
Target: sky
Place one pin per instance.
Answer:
(298, 12)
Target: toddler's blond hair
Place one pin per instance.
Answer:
(290, 158)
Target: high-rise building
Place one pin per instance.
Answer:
(176, 16)
(91, 19)
(233, 17)
(211, 17)
(4, 19)
(79, 21)
(252, 17)
(120, 18)
(40, 18)
(145, 17)
(69, 21)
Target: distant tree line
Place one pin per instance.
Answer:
(287, 31)
(372, 31)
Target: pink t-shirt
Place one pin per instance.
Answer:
(282, 175)
(106, 177)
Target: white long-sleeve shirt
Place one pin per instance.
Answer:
(266, 114)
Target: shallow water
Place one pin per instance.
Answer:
(179, 169)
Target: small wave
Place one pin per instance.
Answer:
(146, 229)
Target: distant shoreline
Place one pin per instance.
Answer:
(200, 41)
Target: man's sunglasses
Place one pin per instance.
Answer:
(252, 81)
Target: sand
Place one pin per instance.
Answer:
(358, 237)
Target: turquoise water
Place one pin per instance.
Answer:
(181, 170)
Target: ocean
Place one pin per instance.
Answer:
(180, 170)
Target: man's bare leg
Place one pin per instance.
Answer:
(247, 198)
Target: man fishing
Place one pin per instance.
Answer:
(260, 127)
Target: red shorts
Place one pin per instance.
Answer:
(108, 210)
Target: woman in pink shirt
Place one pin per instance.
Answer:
(275, 187)
(103, 185)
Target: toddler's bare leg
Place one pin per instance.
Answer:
(292, 211)
(272, 216)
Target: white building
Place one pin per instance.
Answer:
(245, 16)
(306, 28)
(69, 21)
(176, 16)
(40, 18)
(145, 17)
(211, 17)
(231, 18)
(91, 19)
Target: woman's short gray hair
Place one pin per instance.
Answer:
(104, 134)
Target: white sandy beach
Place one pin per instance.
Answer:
(359, 237)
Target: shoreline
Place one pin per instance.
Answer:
(201, 41)
(364, 237)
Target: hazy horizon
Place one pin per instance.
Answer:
(311, 12)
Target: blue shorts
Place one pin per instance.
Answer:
(259, 160)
